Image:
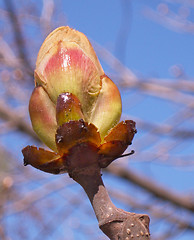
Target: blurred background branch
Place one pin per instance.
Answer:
(54, 206)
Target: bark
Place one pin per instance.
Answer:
(116, 223)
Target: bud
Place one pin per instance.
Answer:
(67, 63)
(68, 108)
(43, 117)
(74, 107)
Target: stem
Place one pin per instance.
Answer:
(114, 222)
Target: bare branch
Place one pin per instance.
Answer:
(19, 39)
(155, 211)
(153, 188)
(12, 116)
(46, 15)
(130, 80)
(170, 20)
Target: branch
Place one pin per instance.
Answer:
(129, 80)
(163, 129)
(157, 212)
(12, 116)
(114, 222)
(152, 187)
(46, 15)
(170, 20)
(7, 55)
(19, 39)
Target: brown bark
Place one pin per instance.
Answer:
(116, 223)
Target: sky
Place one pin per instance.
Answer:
(149, 49)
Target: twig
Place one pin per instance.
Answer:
(152, 187)
(114, 222)
(7, 55)
(11, 115)
(154, 210)
(171, 21)
(130, 80)
(19, 39)
(46, 15)
(163, 129)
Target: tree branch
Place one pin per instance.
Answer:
(9, 114)
(114, 222)
(129, 80)
(19, 39)
(152, 187)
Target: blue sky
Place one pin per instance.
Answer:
(149, 50)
